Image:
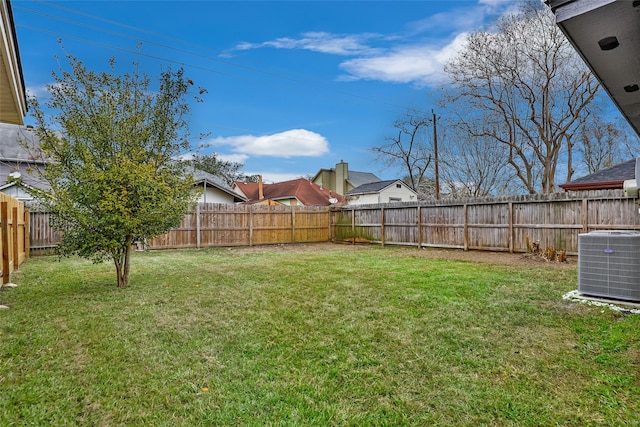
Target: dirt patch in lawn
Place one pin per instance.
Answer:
(503, 258)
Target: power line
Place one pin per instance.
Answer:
(164, 59)
(207, 57)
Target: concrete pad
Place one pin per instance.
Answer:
(614, 304)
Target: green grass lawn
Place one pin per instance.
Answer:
(369, 336)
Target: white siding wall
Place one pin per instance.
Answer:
(18, 192)
(388, 195)
(213, 195)
(363, 199)
(403, 193)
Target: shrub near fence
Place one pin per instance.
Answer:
(495, 224)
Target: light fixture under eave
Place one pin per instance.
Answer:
(631, 88)
(609, 43)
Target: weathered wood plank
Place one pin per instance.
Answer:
(496, 224)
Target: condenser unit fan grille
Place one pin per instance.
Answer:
(608, 264)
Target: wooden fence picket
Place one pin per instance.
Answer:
(14, 235)
(494, 224)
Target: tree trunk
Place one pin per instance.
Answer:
(122, 261)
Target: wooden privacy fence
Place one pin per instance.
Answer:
(43, 237)
(495, 224)
(14, 223)
(211, 224)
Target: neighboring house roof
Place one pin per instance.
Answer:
(612, 177)
(355, 178)
(206, 179)
(375, 187)
(19, 190)
(306, 192)
(13, 101)
(13, 139)
(14, 157)
(360, 178)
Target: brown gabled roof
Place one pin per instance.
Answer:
(306, 192)
(611, 177)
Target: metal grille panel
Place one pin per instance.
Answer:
(608, 264)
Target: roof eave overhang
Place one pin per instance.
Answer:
(13, 98)
(601, 185)
(587, 23)
(207, 183)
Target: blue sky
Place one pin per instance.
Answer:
(292, 87)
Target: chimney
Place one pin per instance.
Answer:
(260, 191)
(342, 175)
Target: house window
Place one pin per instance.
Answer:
(398, 185)
(394, 199)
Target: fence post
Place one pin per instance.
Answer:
(511, 229)
(4, 228)
(14, 235)
(382, 225)
(465, 226)
(419, 226)
(353, 225)
(27, 233)
(585, 216)
(198, 228)
(250, 225)
(293, 225)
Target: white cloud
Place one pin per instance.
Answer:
(186, 156)
(454, 21)
(495, 3)
(235, 158)
(38, 91)
(419, 64)
(291, 143)
(414, 59)
(334, 44)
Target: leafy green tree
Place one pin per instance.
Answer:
(110, 141)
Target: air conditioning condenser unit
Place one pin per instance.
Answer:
(609, 264)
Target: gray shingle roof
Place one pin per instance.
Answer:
(359, 178)
(200, 176)
(12, 139)
(371, 187)
(619, 172)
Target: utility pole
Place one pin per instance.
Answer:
(435, 150)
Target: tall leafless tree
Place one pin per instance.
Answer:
(602, 144)
(524, 86)
(411, 149)
(472, 166)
